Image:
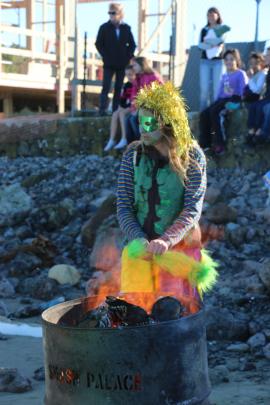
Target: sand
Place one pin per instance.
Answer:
(25, 353)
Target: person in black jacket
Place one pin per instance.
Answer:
(116, 45)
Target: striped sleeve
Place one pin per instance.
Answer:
(125, 199)
(195, 187)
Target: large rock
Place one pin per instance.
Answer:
(219, 374)
(264, 273)
(14, 200)
(6, 288)
(64, 274)
(89, 229)
(256, 341)
(235, 233)
(106, 252)
(222, 324)
(221, 213)
(40, 287)
(212, 194)
(12, 381)
(23, 264)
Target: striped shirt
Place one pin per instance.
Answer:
(195, 187)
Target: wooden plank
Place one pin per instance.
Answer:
(27, 32)
(28, 54)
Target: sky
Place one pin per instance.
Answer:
(240, 15)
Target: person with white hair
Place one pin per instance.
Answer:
(116, 45)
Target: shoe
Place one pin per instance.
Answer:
(121, 144)
(109, 146)
(219, 150)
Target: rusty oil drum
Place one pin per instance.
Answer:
(163, 363)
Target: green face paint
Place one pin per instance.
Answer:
(148, 124)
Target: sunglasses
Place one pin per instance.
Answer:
(112, 12)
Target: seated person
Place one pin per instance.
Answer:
(256, 78)
(120, 114)
(256, 109)
(145, 75)
(230, 93)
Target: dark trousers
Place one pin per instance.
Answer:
(132, 128)
(106, 86)
(256, 113)
(211, 124)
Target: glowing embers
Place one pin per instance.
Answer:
(116, 312)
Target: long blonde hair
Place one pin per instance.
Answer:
(166, 104)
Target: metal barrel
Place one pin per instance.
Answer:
(162, 363)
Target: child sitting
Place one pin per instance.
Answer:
(256, 111)
(256, 75)
(230, 93)
(120, 114)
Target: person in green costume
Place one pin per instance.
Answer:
(162, 179)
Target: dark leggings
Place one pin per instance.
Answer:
(256, 113)
(210, 124)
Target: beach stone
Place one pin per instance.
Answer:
(39, 374)
(222, 324)
(13, 200)
(264, 273)
(6, 288)
(64, 274)
(219, 374)
(212, 194)
(266, 351)
(221, 213)
(23, 264)
(238, 347)
(90, 228)
(257, 341)
(106, 251)
(12, 381)
(40, 287)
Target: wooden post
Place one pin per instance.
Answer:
(0, 38)
(180, 42)
(142, 28)
(60, 55)
(30, 18)
(8, 105)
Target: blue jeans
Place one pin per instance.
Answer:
(132, 128)
(210, 74)
(256, 113)
(266, 122)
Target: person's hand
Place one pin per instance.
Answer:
(157, 247)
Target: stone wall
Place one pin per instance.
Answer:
(53, 137)
(71, 136)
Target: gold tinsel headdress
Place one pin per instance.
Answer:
(166, 103)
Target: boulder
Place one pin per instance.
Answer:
(40, 287)
(222, 324)
(212, 194)
(238, 347)
(14, 200)
(219, 374)
(264, 273)
(6, 288)
(266, 351)
(64, 274)
(23, 264)
(90, 228)
(12, 381)
(256, 341)
(221, 213)
(106, 252)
